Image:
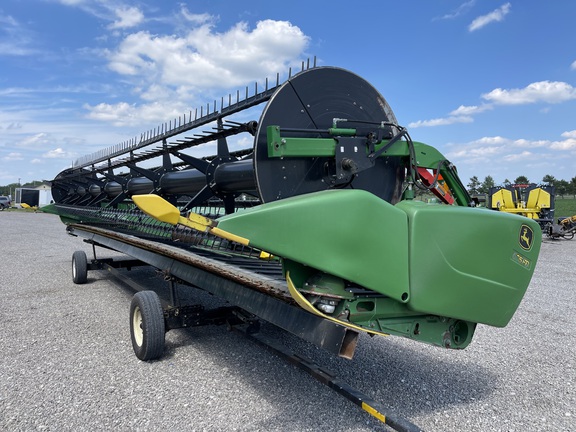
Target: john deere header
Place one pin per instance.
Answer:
(326, 189)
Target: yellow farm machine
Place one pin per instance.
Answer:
(533, 201)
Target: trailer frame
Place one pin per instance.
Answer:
(247, 307)
(254, 294)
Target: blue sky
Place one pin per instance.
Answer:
(491, 84)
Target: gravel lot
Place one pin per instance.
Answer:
(66, 362)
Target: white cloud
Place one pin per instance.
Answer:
(542, 91)
(168, 70)
(462, 114)
(573, 65)
(441, 121)
(475, 152)
(197, 19)
(484, 149)
(514, 157)
(470, 110)
(460, 10)
(34, 141)
(15, 39)
(59, 153)
(13, 156)
(495, 140)
(72, 2)
(11, 125)
(119, 15)
(530, 143)
(502, 158)
(8, 20)
(127, 17)
(204, 58)
(568, 144)
(108, 112)
(494, 16)
(124, 114)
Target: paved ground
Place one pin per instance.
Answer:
(66, 362)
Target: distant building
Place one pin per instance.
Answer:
(38, 196)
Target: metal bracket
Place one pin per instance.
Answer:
(196, 315)
(351, 158)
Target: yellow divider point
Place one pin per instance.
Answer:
(162, 210)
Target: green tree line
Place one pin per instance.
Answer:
(563, 187)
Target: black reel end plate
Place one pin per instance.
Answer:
(312, 100)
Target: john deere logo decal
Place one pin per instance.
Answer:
(526, 236)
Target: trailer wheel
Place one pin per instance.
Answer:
(79, 267)
(147, 328)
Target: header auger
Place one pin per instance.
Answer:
(326, 194)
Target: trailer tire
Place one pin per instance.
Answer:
(147, 327)
(79, 267)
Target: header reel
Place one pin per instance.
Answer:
(317, 102)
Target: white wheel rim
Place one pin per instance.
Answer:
(137, 326)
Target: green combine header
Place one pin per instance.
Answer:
(318, 214)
